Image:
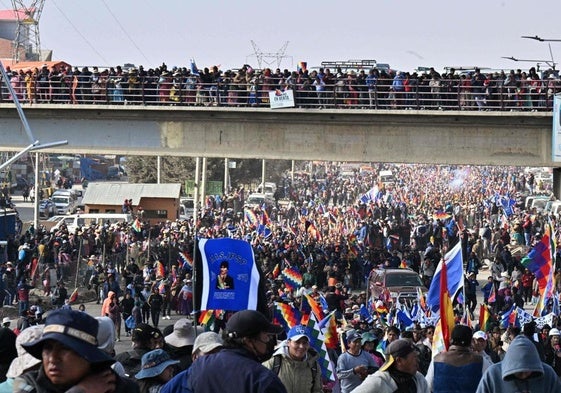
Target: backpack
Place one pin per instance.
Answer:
(277, 362)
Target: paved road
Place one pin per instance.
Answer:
(95, 310)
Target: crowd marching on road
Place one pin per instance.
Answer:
(315, 248)
(325, 87)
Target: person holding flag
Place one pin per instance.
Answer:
(296, 362)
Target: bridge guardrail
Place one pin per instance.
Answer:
(442, 94)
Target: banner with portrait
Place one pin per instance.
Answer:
(230, 278)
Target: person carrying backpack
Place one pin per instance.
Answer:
(296, 363)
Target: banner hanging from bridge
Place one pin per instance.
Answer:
(281, 99)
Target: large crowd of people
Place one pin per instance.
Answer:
(325, 87)
(335, 230)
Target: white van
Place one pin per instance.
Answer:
(270, 189)
(387, 178)
(74, 221)
(65, 201)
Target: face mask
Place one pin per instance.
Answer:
(270, 349)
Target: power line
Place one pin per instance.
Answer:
(124, 31)
(80, 34)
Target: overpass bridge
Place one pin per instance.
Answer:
(401, 136)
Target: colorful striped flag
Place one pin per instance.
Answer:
(251, 218)
(492, 295)
(421, 299)
(484, 318)
(438, 344)
(206, 318)
(136, 225)
(446, 310)
(317, 341)
(292, 278)
(160, 270)
(539, 259)
(310, 305)
(328, 326)
(286, 315)
(185, 260)
(276, 271)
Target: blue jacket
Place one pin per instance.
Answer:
(231, 370)
(178, 384)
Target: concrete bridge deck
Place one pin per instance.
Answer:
(403, 136)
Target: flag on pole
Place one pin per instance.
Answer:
(206, 318)
(446, 310)
(455, 277)
(185, 260)
(276, 271)
(317, 341)
(484, 318)
(286, 315)
(230, 278)
(292, 278)
(193, 68)
(539, 259)
(492, 295)
(438, 339)
(328, 326)
(310, 305)
(160, 270)
(136, 225)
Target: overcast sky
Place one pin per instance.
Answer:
(404, 33)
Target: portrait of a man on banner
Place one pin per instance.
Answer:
(230, 278)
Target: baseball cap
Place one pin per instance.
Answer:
(480, 334)
(397, 349)
(353, 336)
(248, 323)
(554, 332)
(297, 332)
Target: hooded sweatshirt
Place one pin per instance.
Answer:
(296, 375)
(521, 356)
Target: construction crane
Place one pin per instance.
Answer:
(269, 58)
(27, 44)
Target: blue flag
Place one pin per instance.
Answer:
(365, 314)
(403, 319)
(455, 268)
(229, 275)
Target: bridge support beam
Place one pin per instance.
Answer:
(432, 137)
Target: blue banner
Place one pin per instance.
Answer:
(229, 275)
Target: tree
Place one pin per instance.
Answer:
(143, 169)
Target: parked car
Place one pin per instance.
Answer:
(395, 284)
(47, 208)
